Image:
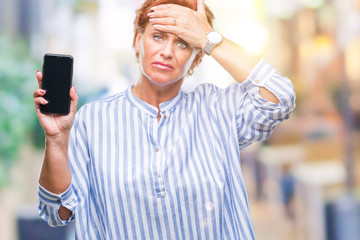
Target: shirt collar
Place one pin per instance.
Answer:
(150, 109)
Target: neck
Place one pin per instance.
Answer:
(154, 94)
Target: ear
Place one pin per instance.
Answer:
(137, 42)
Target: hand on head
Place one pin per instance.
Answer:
(191, 26)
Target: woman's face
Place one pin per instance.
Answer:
(164, 57)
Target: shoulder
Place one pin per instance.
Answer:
(97, 105)
(204, 90)
(209, 90)
(108, 100)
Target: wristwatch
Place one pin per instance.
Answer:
(213, 39)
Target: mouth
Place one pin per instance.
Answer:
(163, 66)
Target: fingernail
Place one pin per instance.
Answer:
(75, 88)
(153, 8)
(42, 91)
(151, 20)
(37, 71)
(45, 101)
(149, 14)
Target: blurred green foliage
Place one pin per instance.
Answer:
(17, 115)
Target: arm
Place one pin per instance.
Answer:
(192, 27)
(239, 63)
(55, 175)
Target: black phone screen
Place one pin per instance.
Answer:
(57, 81)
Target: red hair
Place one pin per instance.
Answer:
(142, 18)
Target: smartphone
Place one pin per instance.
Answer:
(57, 80)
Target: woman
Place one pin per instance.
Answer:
(154, 162)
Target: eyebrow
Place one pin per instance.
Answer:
(166, 33)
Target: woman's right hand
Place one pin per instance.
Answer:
(54, 125)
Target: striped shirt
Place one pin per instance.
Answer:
(180, 177)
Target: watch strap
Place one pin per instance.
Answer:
(208, 47)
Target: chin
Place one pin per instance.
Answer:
(164, 83)
(162, 80)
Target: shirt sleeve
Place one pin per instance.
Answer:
(256, 117)
(78, 157)
(49, 204)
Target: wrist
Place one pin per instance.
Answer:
(58, 140)
(213, 39)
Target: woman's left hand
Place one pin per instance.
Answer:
(191, 26)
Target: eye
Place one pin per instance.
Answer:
(157, 37)
(182, 45)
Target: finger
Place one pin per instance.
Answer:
(166, 7)
(40, 101)
(163, 21)
(159, 14)
(167, 10)
(166, 28)
(39, 77)
(39, 93)
(74, 99)
(201, 7)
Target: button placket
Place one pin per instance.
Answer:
(158, 158)
(164, 117)
(160, 186)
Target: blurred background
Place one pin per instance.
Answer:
(303, 183)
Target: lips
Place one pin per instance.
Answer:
(163, 66)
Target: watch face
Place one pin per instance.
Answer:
(214, 37)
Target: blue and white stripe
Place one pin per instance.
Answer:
(134, 177)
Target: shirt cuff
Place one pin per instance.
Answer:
(261, 73)
(66, 199)
(265, 75)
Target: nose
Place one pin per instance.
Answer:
(167, 50)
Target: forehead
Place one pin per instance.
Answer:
(149, 29)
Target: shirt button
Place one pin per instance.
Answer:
(157, 149)
(257, 81)
(165, 116)
(58, 201)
